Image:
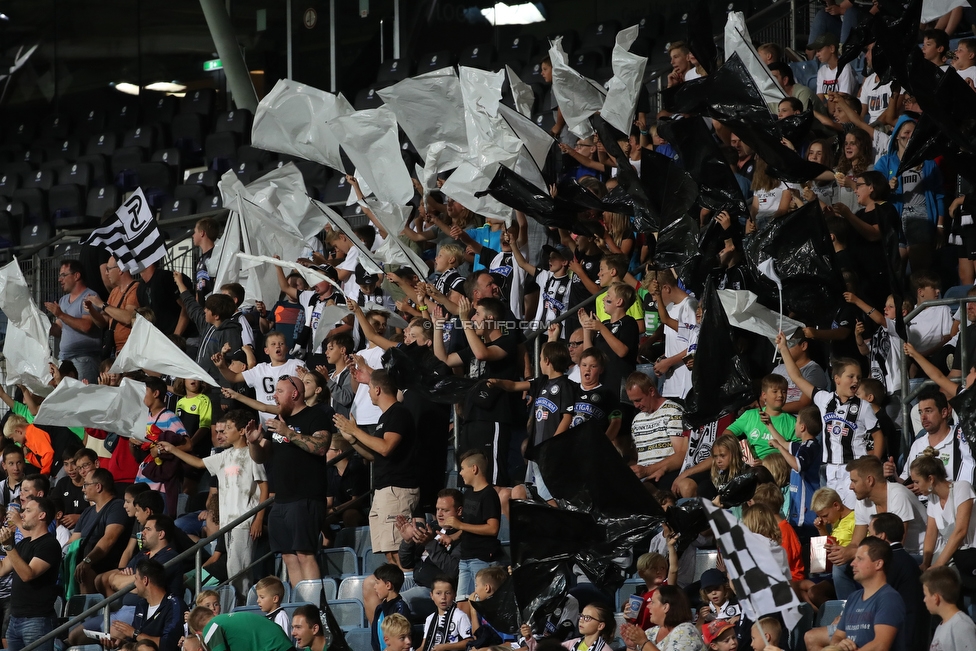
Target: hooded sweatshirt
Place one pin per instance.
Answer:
(930, 180)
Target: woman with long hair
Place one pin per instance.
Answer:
(672, 630)
(950, 521)
(770, 196)
(855, 159)
(619, 236)
(826, 191)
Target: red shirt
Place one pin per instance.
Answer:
(791, 545)
(122, 464)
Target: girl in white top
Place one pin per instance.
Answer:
(770, 197)
(826, 191)
(950, 512)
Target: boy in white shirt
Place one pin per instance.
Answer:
(449, 629)
(271, 591)
(932, 328)
(829, 79)
(264, 377)
(965, 61)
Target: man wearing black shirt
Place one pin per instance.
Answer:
(205, 233)
(158, 291)
(35, 563)
(295, 442)
(69, 489)
(395, 478)
(489, 414)
(101, 528)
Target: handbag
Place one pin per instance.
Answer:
(165, 467)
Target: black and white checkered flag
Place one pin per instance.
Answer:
(760, 585)
(133, 237)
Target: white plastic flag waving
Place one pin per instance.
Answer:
(133, 237)
(113, 409)
(26, 346)
(759, 581)
(148, 348)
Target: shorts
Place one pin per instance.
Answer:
(295, 527)
(388, 503)
(919, 231)
(839, 479)
(968, 248)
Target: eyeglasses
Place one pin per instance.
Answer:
(574, 344)
(859, 185)
(586, 619)
(107, 268)
(89, 483)
(84, 466)
(64, 275)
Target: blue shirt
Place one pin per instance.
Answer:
(805, 482)
(485, 237)
(166, 622)
(860, 616)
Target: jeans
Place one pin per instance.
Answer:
(25, 630)
(190, 523)
(87, 367)
(844, 585)
(840, 26)
(467, 570)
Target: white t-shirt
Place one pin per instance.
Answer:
(960, 492)
(810, 371)
(964, 466)
(264, 377)
(675, 341)
(652, 432)
(458, 629)
(349, 286)
(969, 73)
(829, 82)
(956, 634)
(237, 476)
(768, 201)
(363, 409)
(903, 503)
(313, 311)
(874, 97)
(929, 327)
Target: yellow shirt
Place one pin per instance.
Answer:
(843, 531)
(636, 310)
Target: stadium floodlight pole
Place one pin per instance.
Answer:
(229, 51)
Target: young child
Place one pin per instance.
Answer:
(554, 397)
(449, 629)
(555, 282)
(884, 351)
(193, 408)
(835, 519)
(161, 422)
(942, 590)
(596, 400)
(264, 377)
(720, 636)
(337, 349)
(35, 442)
(396, 633)
(803, 458)
(270, 592)
(850, 428)
(617, 337)
(828, 79)
(597, 628)
(720, 601)
(486, 584)
(766, 632)
(208, 599)
(727, 463)
(872, 391)
(653, 568)
(389, 580)
(479, 523)
(62, 533)
(449, 286)
(749, 426)
(242, 484)
(772, 497)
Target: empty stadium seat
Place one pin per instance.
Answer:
(518, 49)
(200, 194)
(34, 199)
(99, 168)
(601, 34)
(358, 639)
(544, 120)
(103, 143)
(367, 99)
(9, 230)
(336, 191)
(161, 110)
(355, 537)
(705, 559)
(123, 118)
(22, 132)
(351, 587)
(92, 122)
(156, 181)
(339, 561)
(237, 121)
(215, 202)
(9, 182)
(66, 204)
(103, 201)
(310, 590)
(41, 179)
(247, 171)
(200, 102)
(177, 208)
(68, 149)
(477, 56)
(17, 210)
(77, 173)
(34, 156)
(570, 40)
(143, 137)
(55, 127)
(169, 157)
(586, 63)
(206, 179)
(393, 70)
(349, 613)
(434, 61)
(187, 133)
(36, 233)
(220, 149)
(228, 598)
(830, 610)
(248, 154)
(124, 163)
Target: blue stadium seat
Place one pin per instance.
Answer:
(349, 613)
(354, 537)
(351, 587)
(358, 639)
(310, 590)
(339, 561)
(830, 610)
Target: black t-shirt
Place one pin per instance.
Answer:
(397, 468)
(350, 484)
(92, 524)
(296, 474)
(479, 507)
(448, 281)
(174, 573)
(618, 368)
(595, 404)
(506, 368)
(552, 399)
(202, 282)
(160, 293)
(35, 598)
(72, 496)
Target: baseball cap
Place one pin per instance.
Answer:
(328, 270)
(364, 278)
(714, 629)
(713, 577)
(562, 251)
(824, 40)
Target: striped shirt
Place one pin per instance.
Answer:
(652, 432)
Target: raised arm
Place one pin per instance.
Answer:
(286, 289)
(801, 382)
(930, 369)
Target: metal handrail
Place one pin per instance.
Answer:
(908, 396)
(179, 558)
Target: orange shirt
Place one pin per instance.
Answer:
(791, 545)
(37, 449)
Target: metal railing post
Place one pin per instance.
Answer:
(198, 580)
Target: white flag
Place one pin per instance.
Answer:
(767, 269)
(26, 345)
(149, 349)
(119, 410)
(133, 237)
